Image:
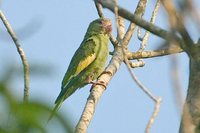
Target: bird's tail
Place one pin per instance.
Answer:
(64, 94)
(58, 104)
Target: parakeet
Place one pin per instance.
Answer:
(88, 61)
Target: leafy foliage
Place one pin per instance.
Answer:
(19, 117)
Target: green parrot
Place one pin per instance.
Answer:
(88, 61)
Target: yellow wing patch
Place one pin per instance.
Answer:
(80, 67)
(85, 63)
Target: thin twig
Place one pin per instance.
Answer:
(89, 109)
(121, 28)
(153, 53)
(177, 24)
(176, 82)
(139, 63)
(147, 33)
(141, 6)
(154, 115)
(114, 41)
(21, 53)
(145, 90)
(142, 23)
(193, 10)
(139, 34)
(133, 75)
(119, 24)
(127, 63)
(139, 83)
(99, 9)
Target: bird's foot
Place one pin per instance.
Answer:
(106, 72)
(102, 83)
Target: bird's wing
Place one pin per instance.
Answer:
(82, 58)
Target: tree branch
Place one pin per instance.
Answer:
(138, 63)
(154, 53)
(176, 83)
(177, 24)
(168, 36)
(21, 53)
(99, 9)
(154, 115)
(191, 119)
(147, 33)
(120, 29)
(97, 91)
(139, 12)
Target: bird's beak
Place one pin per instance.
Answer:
(108, 28)
(107, 24)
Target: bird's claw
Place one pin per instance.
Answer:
(106, 72)
(102, 83)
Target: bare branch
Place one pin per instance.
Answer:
(121, 28)
(119, 24)
(139, 12)
(98, 90)
(127, 62)
(114, 41)
(177, 24)
(147, 33)
(99, 9)
(139, 34)
(154, 115)
(89, 109)
(142, 23)
(190, 116)
(144, 89)
(124, 51)
(176, 82)
(21, 53)
(149, 94)
(154, 53)
(139, 63)
(189, 4)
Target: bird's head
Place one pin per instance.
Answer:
(100, 26)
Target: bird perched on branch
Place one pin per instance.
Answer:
(88, 61)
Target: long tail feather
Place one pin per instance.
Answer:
(64, 94)
(58, 104)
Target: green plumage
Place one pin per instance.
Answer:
(88, 61)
